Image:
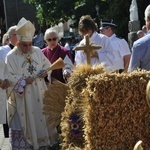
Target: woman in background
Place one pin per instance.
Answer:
(53, 51)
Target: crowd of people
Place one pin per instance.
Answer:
(24, 60)
(24, 75)
(141, 48)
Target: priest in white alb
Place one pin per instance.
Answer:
(26, 65)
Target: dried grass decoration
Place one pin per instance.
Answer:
(54, 102)
(59, 63)
(113, 109)
(72, 122)
(119, 110)
(54, 97)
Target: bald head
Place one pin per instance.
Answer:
(147, 17)
(147, 12)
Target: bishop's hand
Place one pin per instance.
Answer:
(5, 84)
(29, 80)
(43, 74)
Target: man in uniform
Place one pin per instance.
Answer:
(108, 28)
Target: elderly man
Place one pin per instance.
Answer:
(3, 52)
(26, 65)
(53, 51)
(108, 28)
(140, 58)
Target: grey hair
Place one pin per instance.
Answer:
(147, 12)
(11, 30)
(139, 32)
(49, 31)
(4, 39)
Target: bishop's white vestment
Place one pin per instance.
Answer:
(25, 109)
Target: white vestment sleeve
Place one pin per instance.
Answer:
(68, 65)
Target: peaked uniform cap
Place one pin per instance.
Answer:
(106, 24)
(25, 30)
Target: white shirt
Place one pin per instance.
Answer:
(3, 52)
(67, 46)
(122, 47)
(106, 55)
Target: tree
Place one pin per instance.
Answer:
(120, 14)
(52, 12)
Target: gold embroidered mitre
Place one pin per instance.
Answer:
(25, 30)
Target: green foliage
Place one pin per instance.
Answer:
(119, 12)
(51, 12)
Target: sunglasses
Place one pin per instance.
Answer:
(53, 39)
